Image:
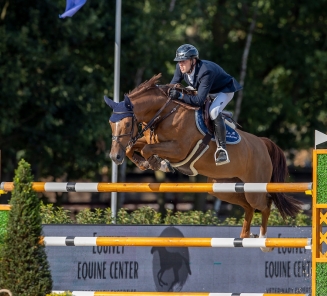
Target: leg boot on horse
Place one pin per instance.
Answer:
(156, 163)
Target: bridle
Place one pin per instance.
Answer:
(150, 125)
(116, 138)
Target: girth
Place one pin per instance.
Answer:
(187, 165)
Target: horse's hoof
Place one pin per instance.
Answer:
(266, 250)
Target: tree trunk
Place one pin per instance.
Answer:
(244, 64)
(138, 76)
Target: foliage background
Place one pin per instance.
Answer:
(54, 72)
(148, 216)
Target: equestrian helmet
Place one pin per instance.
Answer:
(186, 52)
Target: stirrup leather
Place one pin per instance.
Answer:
(219, 148)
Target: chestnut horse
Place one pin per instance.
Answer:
(170, 132)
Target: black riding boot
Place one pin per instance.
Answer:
(221, 155)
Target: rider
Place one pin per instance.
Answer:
(207, 78)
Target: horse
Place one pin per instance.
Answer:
(169, 134)
(171, 260)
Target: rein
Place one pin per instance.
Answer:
(151, 124)
(154, 121)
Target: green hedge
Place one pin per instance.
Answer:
(148, 216)
(66, 293)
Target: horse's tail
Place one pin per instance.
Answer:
(286, 205)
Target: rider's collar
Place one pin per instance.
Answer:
(192, 73)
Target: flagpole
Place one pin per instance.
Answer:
(114, 171)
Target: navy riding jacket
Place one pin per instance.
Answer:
(209, 78)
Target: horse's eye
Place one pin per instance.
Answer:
(127, 124)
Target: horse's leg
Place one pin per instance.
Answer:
(170, 149)
(264, 224)
(153, 162)
(261, 202)
(159, 276)
(248, 216)
(237, 199)
(158, 153)
(137, 159)
(176, 278)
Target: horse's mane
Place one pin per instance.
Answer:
(145, 86)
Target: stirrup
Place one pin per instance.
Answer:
(219, 148)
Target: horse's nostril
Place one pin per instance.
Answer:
(118, 157)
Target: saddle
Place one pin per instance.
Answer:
(227, 115)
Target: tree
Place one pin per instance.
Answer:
(283, 95)
(24, 268)
(53, 79)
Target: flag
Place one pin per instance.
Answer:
(320, 138)
(72, 6)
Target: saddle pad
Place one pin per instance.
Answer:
(232, 136)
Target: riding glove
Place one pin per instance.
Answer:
(175, 95)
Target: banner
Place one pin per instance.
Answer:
(224, 270)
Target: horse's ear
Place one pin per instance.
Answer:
(110, 102)
(128, 103)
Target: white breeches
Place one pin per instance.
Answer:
(219, 103)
